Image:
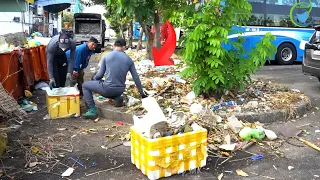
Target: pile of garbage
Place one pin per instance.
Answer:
(36, 39)
(175, 94)
(179, 110)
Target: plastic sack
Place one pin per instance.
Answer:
(153, 116)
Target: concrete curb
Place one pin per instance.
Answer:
(110, 112)
(273, 116)
(113, 113)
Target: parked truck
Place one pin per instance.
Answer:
(87, 25)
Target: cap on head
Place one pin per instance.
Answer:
(120, 42)
(64, 41)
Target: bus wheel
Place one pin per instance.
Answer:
(286, 54)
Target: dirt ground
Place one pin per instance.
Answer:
(82, 137)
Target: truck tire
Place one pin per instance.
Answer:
(98, 49)
(286, 54)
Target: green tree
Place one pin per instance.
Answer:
(211, 66)
(67, 17)
(147, 13)
(139, 10)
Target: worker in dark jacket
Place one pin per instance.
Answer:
(114, 66)
(58, 67)
(83, 55)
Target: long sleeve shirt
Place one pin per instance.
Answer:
(53, 48)
(82, 57)
(116, 65)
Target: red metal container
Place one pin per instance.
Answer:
(27, 65)
(43, 62)
(11, 74)
(35, 62)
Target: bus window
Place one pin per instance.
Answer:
(256, 19)
(282, 2)
(277, 20)
(315, 3)
(260, 1)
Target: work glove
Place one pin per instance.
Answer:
(75, 74)
(68, 80)
(52, 83)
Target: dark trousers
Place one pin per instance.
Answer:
(60, 68)
(101, 88)
(80, 80)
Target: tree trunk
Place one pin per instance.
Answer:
(150, 37)
(121, 32)
(140, 40)
(157, 27)
(130, 34)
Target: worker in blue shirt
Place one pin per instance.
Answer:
(83, 54)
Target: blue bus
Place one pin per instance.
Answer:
(291, 21)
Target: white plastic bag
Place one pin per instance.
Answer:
(153, 116)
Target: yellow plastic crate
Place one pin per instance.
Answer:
(166, 156)
(65, 105)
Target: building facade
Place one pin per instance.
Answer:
(29, 16)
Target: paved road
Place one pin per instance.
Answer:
(292, 77)
(304, 159)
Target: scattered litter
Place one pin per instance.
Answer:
(275, 167)
(316, 175)
(92, 130)
(295, 90)
(46, 117)
(127, 143)
(228, 147)
(34, 164)
(195, 108)
(78, 162)
(290, 167)
(126, 137)
(68, 172)
(110, 135)
(13, 126)
(234, 124)
(270, 134)
(104, 170)
(257, 157)
(317, 131)
(61, 129)
(241, 173)
(228, 171)
(94, 164)
(27, 93)
(220, 176)
(248, 133)
(120, 123)
(96, 120)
